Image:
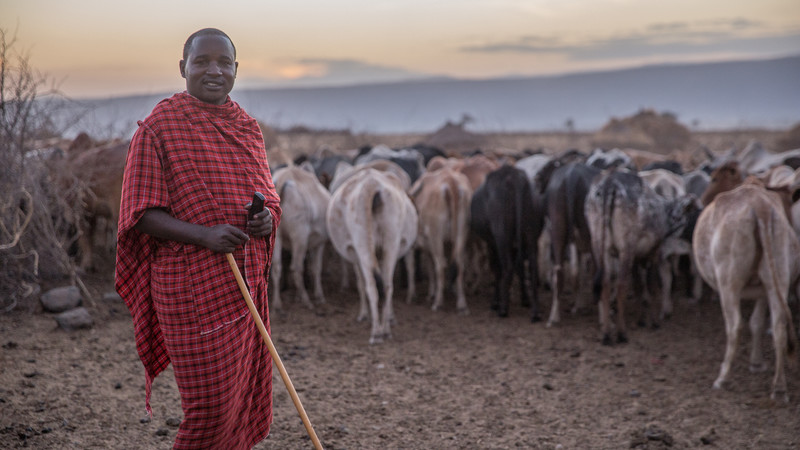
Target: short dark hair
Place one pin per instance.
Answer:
(205, 32)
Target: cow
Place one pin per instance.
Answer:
(746, 249)
(99, 170)
(372, 223)
(304, 201)
(345, 171)
(442, 199)
(412, 161)
(671, 186)
(696, 182)
(755, 158)
(628, 222)
(502, 214)
(723, 178)
(606, 159)
(564, 189)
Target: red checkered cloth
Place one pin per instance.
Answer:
(201, 163)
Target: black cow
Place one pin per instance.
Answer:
(564, 189)
(503, 214)
(410, 160)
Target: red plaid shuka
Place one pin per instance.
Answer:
(201, 163)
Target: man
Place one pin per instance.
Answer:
(192, 168)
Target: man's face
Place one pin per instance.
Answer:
(210, 69)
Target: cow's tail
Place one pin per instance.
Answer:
(519, 217)
(608, 195)
(283, 187)
(376, 208)
(769, 248)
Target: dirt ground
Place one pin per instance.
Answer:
(444, 381)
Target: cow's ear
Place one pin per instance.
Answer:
(307, 166)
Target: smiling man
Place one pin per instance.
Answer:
(192, 168)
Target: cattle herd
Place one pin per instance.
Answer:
(619, 221)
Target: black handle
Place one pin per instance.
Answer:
(256, 206)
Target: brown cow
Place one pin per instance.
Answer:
(746, 248)
(100, 171)
(723, 178)
(442, 198)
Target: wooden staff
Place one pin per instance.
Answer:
(273, 351)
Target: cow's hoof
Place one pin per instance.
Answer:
(463, 311)
(719, 384)
(758, 368)
(536, 318)
(376, 340)
(780, 396)
(622, 338)
(607, 340)
(502, 313)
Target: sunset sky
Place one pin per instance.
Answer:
(103, 48)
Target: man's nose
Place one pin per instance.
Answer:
(214, 69)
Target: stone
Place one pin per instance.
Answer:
(61, 299)
(112, 297)
(74, 319)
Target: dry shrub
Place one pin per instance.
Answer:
(646, 130)
(453, 138)
(37, 223)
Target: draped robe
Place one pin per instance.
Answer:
(201, 163)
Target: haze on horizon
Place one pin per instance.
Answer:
(100, 48)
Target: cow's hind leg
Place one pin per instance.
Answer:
(316, 271)
(729, 301)
(299, 249)
(780, 328)
(757, 322)
(276, 272)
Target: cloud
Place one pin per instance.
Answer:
(334, 72)
(670, 38)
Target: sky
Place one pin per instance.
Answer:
(110, 48)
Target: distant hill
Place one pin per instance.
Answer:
(723, 95)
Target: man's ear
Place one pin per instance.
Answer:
(235, 68)
(182, 67)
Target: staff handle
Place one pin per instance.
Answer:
(273, 351)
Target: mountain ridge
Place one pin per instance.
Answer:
(716, 95)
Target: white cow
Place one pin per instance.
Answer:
(372, 223)
(442, 198)
(304, 201)
(746, 248)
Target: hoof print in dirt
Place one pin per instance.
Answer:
(709, 437)
(651, 436)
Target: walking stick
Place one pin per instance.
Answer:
(272, 350)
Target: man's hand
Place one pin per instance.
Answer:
(224, 238)
(261, 224)
(219, 238)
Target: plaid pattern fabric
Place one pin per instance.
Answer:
(201, 163)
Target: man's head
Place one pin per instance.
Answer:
(209, 65)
